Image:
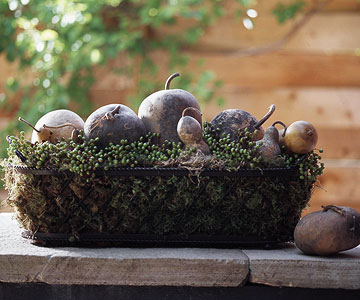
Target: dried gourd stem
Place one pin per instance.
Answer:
(191, 108)
(309, 132)
(172, 76)
(60, 126)
(267, 116)
(282, 124)
(111, 115)
(27, 123)
(108, 116)
(334, 208)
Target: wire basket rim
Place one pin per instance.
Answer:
(167, 171)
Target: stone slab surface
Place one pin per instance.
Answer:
(21, 261)
(290, 267)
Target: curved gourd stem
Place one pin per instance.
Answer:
(190, 108)
(334, 208)
(267, 116)
(60, 126)
(111, 115)
(282, 124)
(172, 76)
(27, 123)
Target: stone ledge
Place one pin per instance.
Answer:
(22, 262)
(290, 267)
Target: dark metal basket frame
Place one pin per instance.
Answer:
(149, 240)
(165, 172)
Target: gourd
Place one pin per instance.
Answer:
(190, 131)
(329, 231)
(269, 144)
(112, 123)
(162, 110)
(230, 121)
(301, 137)
(55, 125)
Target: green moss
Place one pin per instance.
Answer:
(265, 207)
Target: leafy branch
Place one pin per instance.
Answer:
(62, 43)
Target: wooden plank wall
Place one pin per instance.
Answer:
(314, 77)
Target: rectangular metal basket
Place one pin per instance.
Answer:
(162, 207)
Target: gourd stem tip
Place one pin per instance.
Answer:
(27, 123)
(171, 77)
(267, 116)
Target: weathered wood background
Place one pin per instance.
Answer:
(314, 77)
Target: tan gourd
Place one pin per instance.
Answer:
(46, 133)
(190, 132)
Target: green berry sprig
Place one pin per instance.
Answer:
(240, 153)
(84, 157)
(310, 165)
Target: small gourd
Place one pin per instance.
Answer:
(269, 144)
(112, 123)
(190, 132)
(230, 121)
(301, 137)
(49, 129)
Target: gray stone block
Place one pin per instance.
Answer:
(290, 267)
(21, 261)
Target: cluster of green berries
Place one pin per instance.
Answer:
(143, 152)
(35, 155)
(17, 144)
(84, 157)
(243, 152)
(310, 165)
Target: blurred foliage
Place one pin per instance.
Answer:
(284, 12)
(59, 42)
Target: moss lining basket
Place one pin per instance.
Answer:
(160, 206)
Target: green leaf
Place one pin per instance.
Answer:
(287, 12)
(220, 101)
(246, 3)
(12, 84)
(193, 34)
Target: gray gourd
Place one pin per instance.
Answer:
(230, 121)
(190, 132)
(112, 123)
(161, 111)
(269, 144)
